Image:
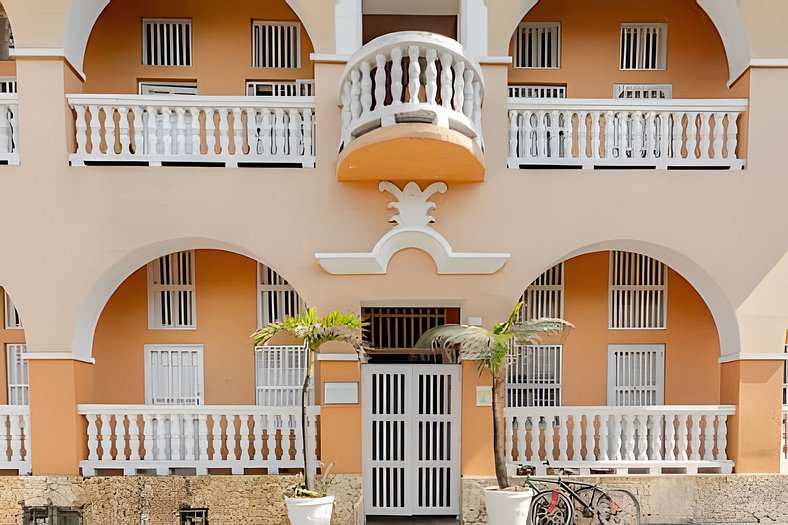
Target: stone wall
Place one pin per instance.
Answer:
(155, 500)
(678, 499)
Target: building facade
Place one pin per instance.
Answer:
(178, 174)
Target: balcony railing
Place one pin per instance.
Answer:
(411, 77)
(9, 132)
(15, 438)
(601, 133)
(193, 130)
(139, 438)
(620, 438)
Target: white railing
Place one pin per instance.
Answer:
(185, 129)
(15, 438)
(619, 438)
(784, 442)
(659, 133)
(160, 438)
(9, 130)
(411, 77)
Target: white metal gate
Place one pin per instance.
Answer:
(411, 439)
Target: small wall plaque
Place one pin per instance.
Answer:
(340, 393)
(483, 396)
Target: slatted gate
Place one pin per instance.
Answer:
(411, 439)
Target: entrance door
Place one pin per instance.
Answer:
(411, 439)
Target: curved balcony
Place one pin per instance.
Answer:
(411, 110)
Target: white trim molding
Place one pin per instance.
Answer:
(747, 356)
(328, 58)
(49, 356)
(769, 62)
(337, 357)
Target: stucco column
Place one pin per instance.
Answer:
(340, 424)
(58, 433)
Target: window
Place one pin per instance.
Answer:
(638, 291)
(276, 298)
(168, 88)
(545, 296)
(296, 88)
(166, 42)
(17, 376)
(533, 376)
(533, 91)
(401, 327)
(7, 84)
(193, 516)
(280, 373)
(171, 291)
(636, 375)
(538, 45)
(51, 516)
(174, 375)
(12, 319)
(276, 44)
(643, 46)
(642, 91)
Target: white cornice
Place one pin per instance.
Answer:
(744, 356)
(45, 52)
(327, 58)
(49, 356)
(769, 62)
(337, 357)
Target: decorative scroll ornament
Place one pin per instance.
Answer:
(412, 230)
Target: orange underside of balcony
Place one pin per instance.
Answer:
(412, 152)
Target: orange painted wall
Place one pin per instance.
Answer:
(340, 425)
(7, 68)
(226, 314)
(6, 337)
(696, 62)
(221, 38)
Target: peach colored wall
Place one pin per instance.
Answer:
(477, 450)
(696, 62)
(6, 337)
(221, 39)
(7, 68)
(226, 314)
(340, 425)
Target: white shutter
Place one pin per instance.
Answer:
(171, 298)
(17, 375)
(166, 42)
(537, 91)
(643, 46)
(12, 319)
(658, 91)
(533, 376)
(545, 296)
(174, 375)
(638, 292)
(276, 298)
(280, 373)
(295, 88)
(276, 44)
(636, 375)
(538, 45)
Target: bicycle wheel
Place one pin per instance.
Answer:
(550, 507)
(591, 503)
(608, 507)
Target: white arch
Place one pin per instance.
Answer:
(111, 279)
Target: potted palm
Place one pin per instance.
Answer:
(310, 504)
(489, 349)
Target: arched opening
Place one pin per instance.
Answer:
(14, 384)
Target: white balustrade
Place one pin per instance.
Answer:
(411, 77)
(193, 130)
(599, 133)
(9, 131)
(15, 438)
(163, 437)
(619, 438)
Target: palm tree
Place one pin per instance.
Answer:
(489, 348)
(314, 331)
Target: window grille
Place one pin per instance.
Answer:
(643, 46)
(538, 45)
(7, 85)
(533, 91)
(400, 327)
(661, 91)
(12, 319)
(533, 376)
(545, 296)
(174, 374)
(636, 375)
(17, 375)
(297, 88)
(166, 42)
(638, 291)
(171, 301)
(276, 298)
(280, 372)
(193, 516)
(51, 516)
(276, 44)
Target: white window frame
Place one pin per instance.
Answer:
(635, 376)
(257, 55)
(12, 319)
(147, 22)
(176, 347)
(662, 52)
(281, 88)
(543, 294)
(643, 89)
(537, 91)
(8, 85)
(16, 365)
(525, 361)
(622, 298)
(279, 375)
(154, 289)
(167, 88)
(539, 54)
(282, 290)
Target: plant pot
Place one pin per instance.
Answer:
(310, 511)
(505, 507)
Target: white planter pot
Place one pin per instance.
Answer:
(506, 507)
(310, 511)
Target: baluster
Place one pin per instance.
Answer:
(719, 135)
(180, 131)
(294, 131)
(431, 76)
(396, 76)
(733, 134)
(467, 104)
(188, 436)
(14, 128)
(542, 148)
(210, 131)
(196, 140)
(655, 433)
(224, 131)
(705, 134)
(677, 140)
(16, 437)
(535, 435)
(628, 423)
(651, 134)
(477, 108)
(95, 131)
(563, 440)
(692, 135)
(231, 437)
(216, 432)
(161, 437)
(252, 131)
(459, 86)
(355, 93)
(92, 436)
(513, 131)
(508, 435)
(257, 433)
(109, 129)
(380, 80)
(582, 135)
(610, 135)
(622, 129)
(139, 136)
(722, 437)
(346, 115)
(147, 436)
(175, 437)
(238, 139)
(642, 443)
(166, 131)
(117, 437)
(637, 136)
(81, 131)
(279, 130)
(708, 438)
(664, 136)
(577, 429)
(589, 438)
(134, 438)
(604, 446)
(202, 440)
(529, 140)
(270, 444)
(682, 437)
(522, 438)
(26, 443)
(446, 88)
(414, 70)
(243, 429)
(695, 437)
(266, 130)
(366, 87)
(670, 437)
